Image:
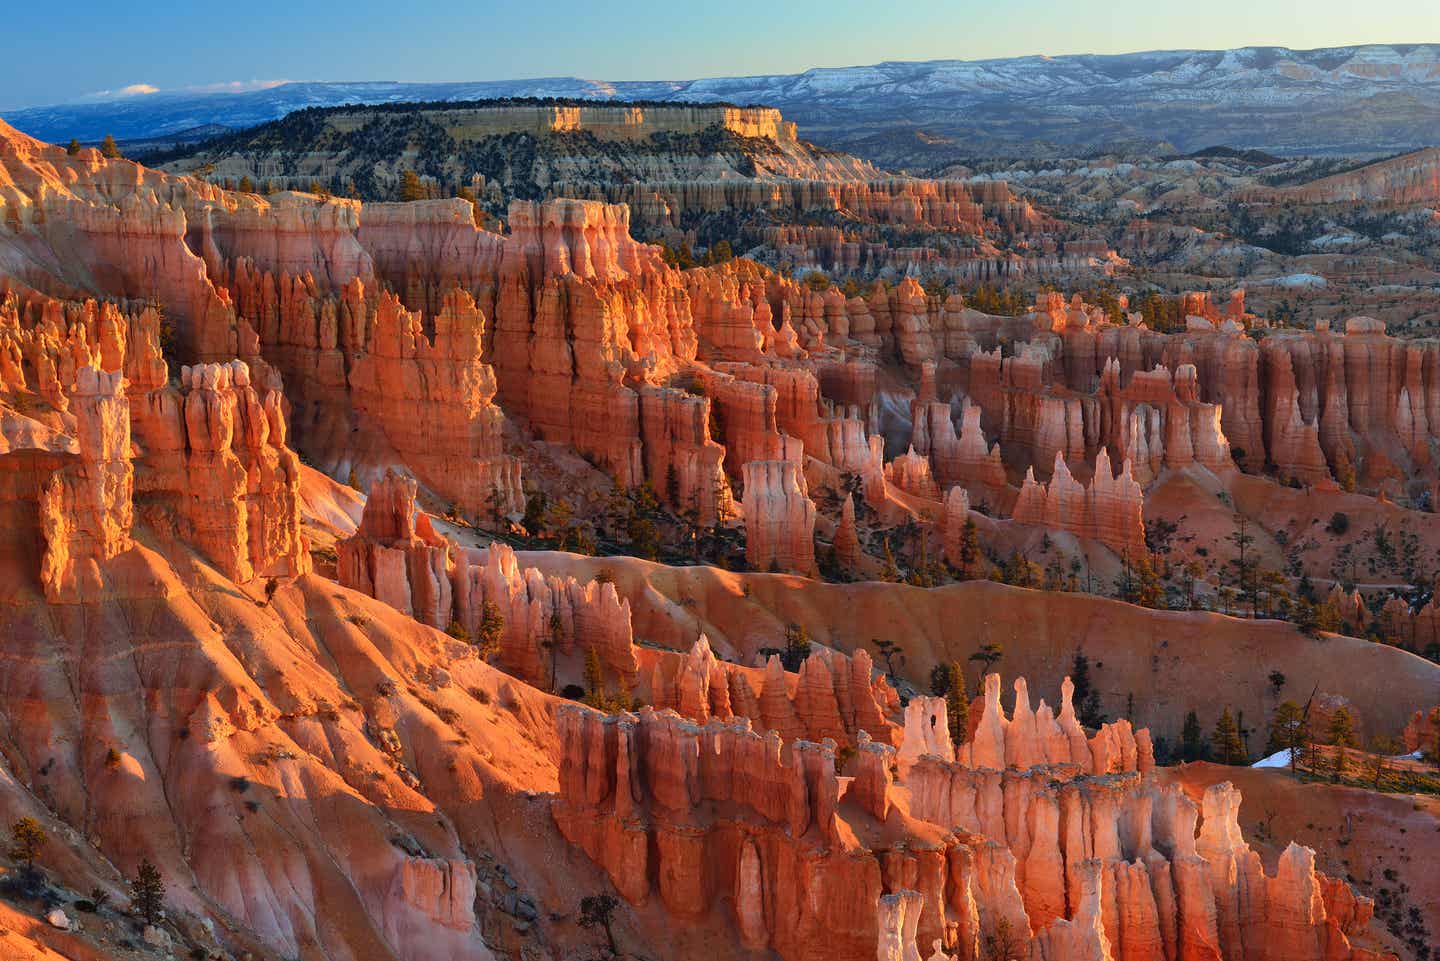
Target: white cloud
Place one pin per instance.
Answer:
(145, 89)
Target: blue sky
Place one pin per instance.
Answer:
(61, 52)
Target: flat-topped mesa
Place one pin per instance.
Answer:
(832, 696)
(86, 508)
(779, 518)
(395, 555)
(216, 463)
(619, 121)
(1110, 510)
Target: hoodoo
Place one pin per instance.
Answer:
(541, 528)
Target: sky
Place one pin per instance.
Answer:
(59, 53)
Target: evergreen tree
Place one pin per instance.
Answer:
(957, 705)
(888, 651)
(1229, 749)
(27, 838)
(1287, 731)
(147, 892)
(411, 188)
(1086, 698)
(73, 147)
(553, 641)
(1341, 732)
(594, 678)
(969, 546)
(1245, 564)
(492, 627)
(1192, 745)
(987, 656)
(109, 149)
(797, 647)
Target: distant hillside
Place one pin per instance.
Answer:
(1412, 178)
(1343, 100)
(502, 150)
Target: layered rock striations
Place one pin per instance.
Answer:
(86, 508)
(1064, 864)
(396, 557)
(779, 518)
(831, 696)
(218, 468)
(1109, 510)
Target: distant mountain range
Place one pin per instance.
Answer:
(1367, 99)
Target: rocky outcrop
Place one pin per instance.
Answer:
(1109, 510)
(217, 464)
(1058, 863)
(910, 472)
(952, 528)
(1027, 738)
(86, 508)
(832, 696)
(545, 618)
(1423, 732)
(396, 557)
(779, 518)
(432, 399)
(847, 543)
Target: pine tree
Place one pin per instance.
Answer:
(27, 838)
(1341, 731)
(411, 187)
(1192, 747)
(1287, 731)
(1228, 747)
(969, 546)
(957, 705)
(73, 147)
(987, 656)
(147, 892)
(555, 639)
(109, 149)
(594, 679)
(1086, 698)
(492, 627)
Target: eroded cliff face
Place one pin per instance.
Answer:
(165, 347)
(405, 335)
(1056, 860)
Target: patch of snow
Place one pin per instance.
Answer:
(1278, 759)
(1341, 238)
(1295, 280)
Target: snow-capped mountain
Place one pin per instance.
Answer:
(1367, 99)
